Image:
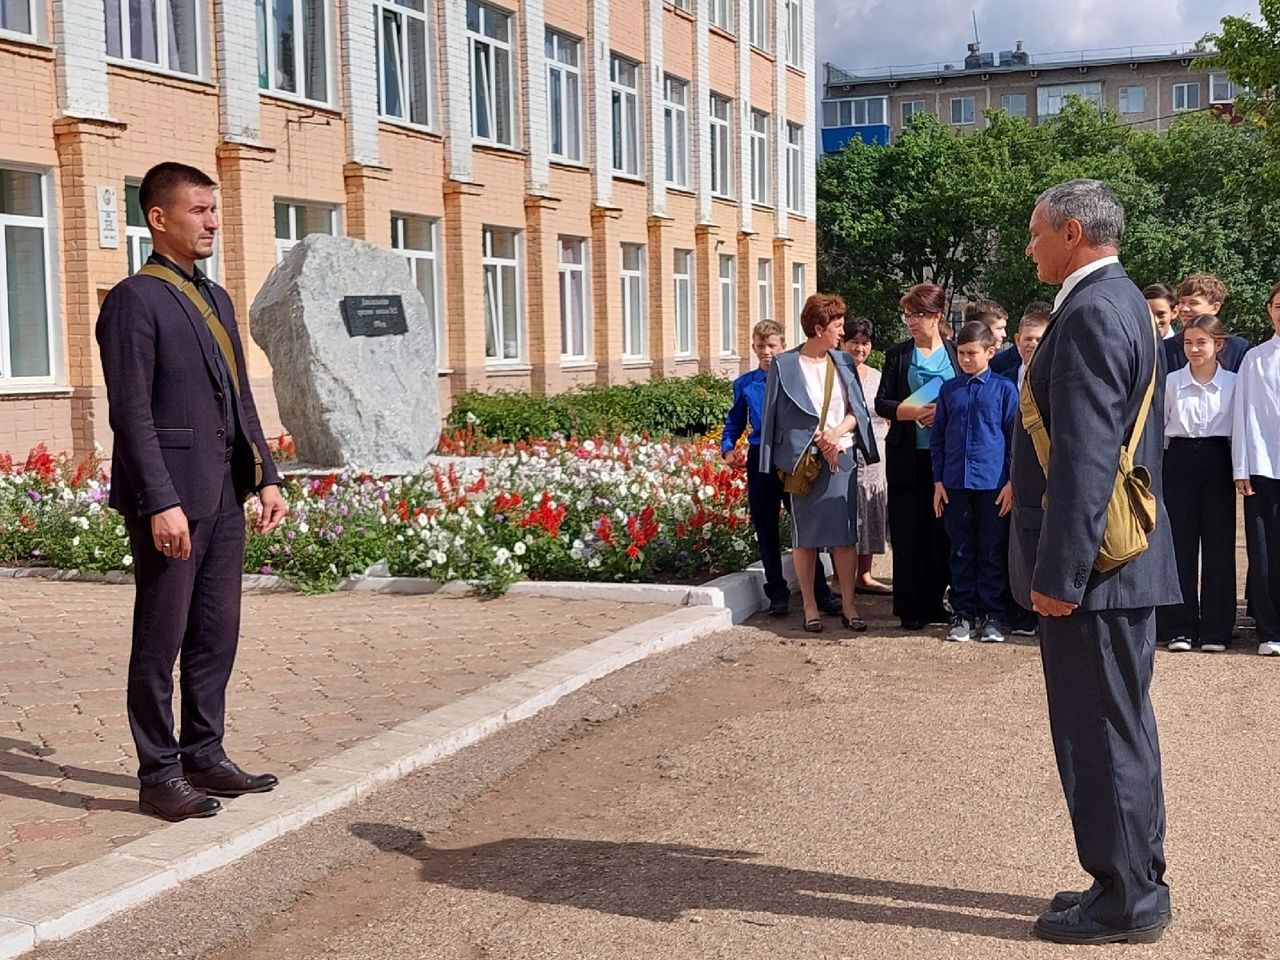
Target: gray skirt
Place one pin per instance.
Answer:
(826, 515)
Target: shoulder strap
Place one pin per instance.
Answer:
(219, 332)
(826, 392)
(1145, 409)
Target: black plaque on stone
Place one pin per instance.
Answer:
(374, 316)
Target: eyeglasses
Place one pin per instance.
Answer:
(915, 317)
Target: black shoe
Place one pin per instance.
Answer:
(779, 607)
(175, 800)
(913, 625)
(227, 780)
(1066, 899)
(831, 604)
(1070, 926)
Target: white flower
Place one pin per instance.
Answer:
(302, 526)
(708, 492)
(127, 560)
(422, 520)
(75, 541)
(439, 556)
(593, 562)
(502, 555)
(520, 549)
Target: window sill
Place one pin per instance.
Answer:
(763, 207)
(397, 125)
(797, 70)
(797, 215)
(629, 177)
(767, 54)
(495, 369)
(25, 44)
(722, 198)
(578, 365)
(499, 149)
(636, 363)
(723, 31)
(686, 361)
(730, 358)
(445, 372)
(683, 191)
(567, 164)
(151, 71)
(16, 391)
(295, 101)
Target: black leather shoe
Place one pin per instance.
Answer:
(227, 780)
(913, 625)
(1066, 899)
(831, 604)
(779, 607)
(1069, 926)
(175, 800)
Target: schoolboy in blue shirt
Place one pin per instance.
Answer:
(971, 444)
(765, 496)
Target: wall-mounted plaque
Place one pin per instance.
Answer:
(374, 316)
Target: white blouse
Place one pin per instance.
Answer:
(815, 382)
(1255, 434)
(1194, 409)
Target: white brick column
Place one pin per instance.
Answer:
(360, 81)
(700, 114)
(236, 28)
(80, 38)
(601, 103)
(455, 92)
(744, 117)
(657, 132)
(533, 55)
(809, 161)
(779, 158)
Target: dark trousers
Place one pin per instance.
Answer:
(1262, 541)
(979, 543)
(765, 500)
(921, 553)
(1200, 498)
(1097, 672)
(187, 609)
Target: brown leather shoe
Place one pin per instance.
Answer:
(176, 800)
(228, 780)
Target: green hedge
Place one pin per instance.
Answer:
(674, 406)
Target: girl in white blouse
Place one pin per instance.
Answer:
(1199, 494)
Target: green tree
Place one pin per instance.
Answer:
(1249, 52)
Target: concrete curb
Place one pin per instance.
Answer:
(81, 897)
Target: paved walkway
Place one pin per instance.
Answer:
(315, 675)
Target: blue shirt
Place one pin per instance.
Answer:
(922, 369)
(748, 408)
(973, 430)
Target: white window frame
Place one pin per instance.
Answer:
(764, 289)
(794, 19)
(165, 37)
(795, 168)
(760, 153)
(267, 49)
(1124, 99)
(856, 112)
(685, 5)
(625, 99)
(635, 327)
(721, 14)
(1181, 97)
(485, 49)
(44, 222)
(570, 274)
(1007, 100)
(135, 236)
(971, 113)
(728, 305)
(285, 244)
(1051, 97)
(682, 291)
(909, 109)
(675, 119)
(404, 68)
(721, 120)
(420, 261)
(493, 267)
(567, 128)
(35, 13)
(1217, 93)
(758, 13)
(797, 300)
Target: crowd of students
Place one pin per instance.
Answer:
(944, 406)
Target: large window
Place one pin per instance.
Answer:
(797, 301)
(675, 119)
(721, 13)
(503, 336)
(18, 16)
(165, 33)
(404, 60)
(759, 12)
(1051, 99)
(492, 74)
(764, 289)
(624, 80)
(1222, 90)
(721, 146)
(759, 157)
(728, 305)
(1133, 99)
(418, 239)
(293, 47)
(564, 96)
(296, 220)
(26, 322)
(682, 276)
(575, 341)
(909, 109)
(1014, 104)
(1186, 96)
(795, 167)
(634, 332)
(795, 33)
(857, 112)
(963, 111)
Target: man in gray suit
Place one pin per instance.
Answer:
(1097, 630)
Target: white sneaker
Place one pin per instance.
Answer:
(991, 631)
(961, 631)
(1179, 645)
(1213, 647)
(1270, 648)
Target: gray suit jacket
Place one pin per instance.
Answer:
(790, 418)
(1088, 377)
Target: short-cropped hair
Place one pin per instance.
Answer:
(924, 298)
(766, 329)
(1092, 204)
(1037, 311)
(975, 331)
(984, 311)
(1203, 285)
(858, 327)
(1160, 291)
(820, 310)
(163, 180)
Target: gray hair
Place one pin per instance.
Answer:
(1091, 203)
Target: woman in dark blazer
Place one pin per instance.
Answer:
(920, 547)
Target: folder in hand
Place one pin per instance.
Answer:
(927, 394)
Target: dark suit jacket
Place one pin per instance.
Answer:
(1007, 363)
(790, 417)
(900, 444)
(1230, 358)
(166, 405)
(1088, 377)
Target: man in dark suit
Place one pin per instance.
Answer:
(1089, 377)
(188, 451)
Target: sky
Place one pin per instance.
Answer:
(861, 34)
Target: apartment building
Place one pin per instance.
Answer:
(1147, 86)
(586, 191)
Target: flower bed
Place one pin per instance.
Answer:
(626, 510)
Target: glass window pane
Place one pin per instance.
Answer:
(573, 113)
(142, 30)
(315, 49)
(391, 59)
(183, 45)
(503, 244)
(502, 97)
(425, 278)
(28, 301)
(21, 193)
(482, 108)
(286, 68)
(283, 231)
(115, 47)
(510, 315)
(314, 219)
(491, 335)
(555, 103)
(15, 15)
(133, 206)
(264, 45)
(419, 78)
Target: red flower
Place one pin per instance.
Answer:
(633, 551)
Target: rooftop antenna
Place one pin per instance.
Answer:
(976, 38)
